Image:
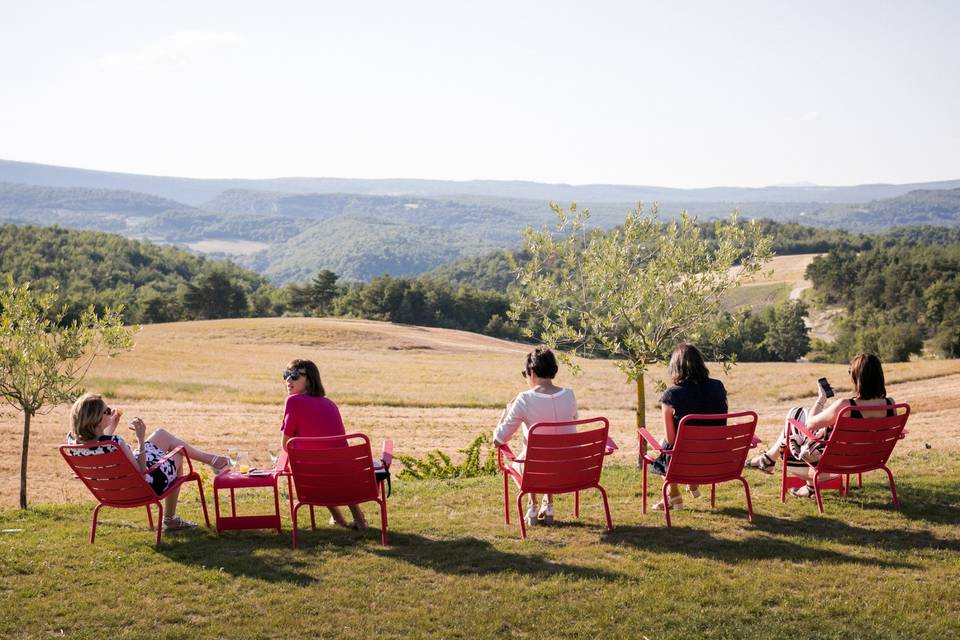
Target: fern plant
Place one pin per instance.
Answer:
(480, 460)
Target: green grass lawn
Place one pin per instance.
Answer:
(454, 570)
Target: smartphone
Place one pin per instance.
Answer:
(827, 389)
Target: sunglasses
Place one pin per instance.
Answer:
(292, 374)
(107, 411)
(525, 373)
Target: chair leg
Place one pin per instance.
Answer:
(666, 502)
(746, 490)
(893, 487)
(159, 522)
(276, 505)
(643, 500)
(783, 476)
(606, 507)
(216, 508)
(383, 522)
(576, 504)
(816, 492)
(859, 481)
(713, 495)
(293, 516)
(523, 524)
(93, 526)
(203, 502)
(149, 518)
(313, 519)
(506, 497)
(290, 493)
(233, 504)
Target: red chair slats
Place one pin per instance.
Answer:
(854, 446)
(115, 482)
(335, 471)
(710, 449)
(557, 463)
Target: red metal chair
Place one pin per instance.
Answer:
(335, 471)
(115, 482)
(558, 463)
(710, 449)
(854, 446)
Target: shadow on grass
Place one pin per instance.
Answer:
(235, 553)
(937, 503)
(834, 530)
(698, 543)
(472, 556)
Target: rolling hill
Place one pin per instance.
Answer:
(290, 228)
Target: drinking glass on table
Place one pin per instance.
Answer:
(233, 454)
(274, 452)
(244, 468)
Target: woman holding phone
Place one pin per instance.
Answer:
(869, 388)
(93, 421)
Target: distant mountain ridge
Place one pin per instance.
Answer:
(289, 236)
(195, 191)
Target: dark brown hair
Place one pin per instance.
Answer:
(542, 362)
(867, 374)
(310, 370)
(686, 365)
(85, 416)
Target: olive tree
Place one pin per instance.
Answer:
(43, 360)
(634, 292)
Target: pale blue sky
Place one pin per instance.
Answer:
(688, 94)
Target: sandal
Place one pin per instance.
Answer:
(675, 503)
(762, 463)
(220, 464)
(346, 525)
(177, 523)
(806, 491)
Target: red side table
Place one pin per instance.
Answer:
(232, 480)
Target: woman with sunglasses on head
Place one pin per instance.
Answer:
(543, 401)
(308, 413)
(869, 389)
(93, 421)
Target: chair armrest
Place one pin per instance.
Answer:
(802, 429)
(643, 434)
(504, 451)
(175, 451)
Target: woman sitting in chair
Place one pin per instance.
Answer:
(866, 372)
(693, 391)
(542, 402)
(308, 413)
(93, 421)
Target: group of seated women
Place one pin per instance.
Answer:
(309, 413)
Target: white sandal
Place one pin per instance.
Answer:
(675, 503)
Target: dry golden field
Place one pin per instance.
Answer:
(217, 384)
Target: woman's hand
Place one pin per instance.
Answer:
(140, 428)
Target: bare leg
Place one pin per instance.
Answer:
(674, 492)
(166, 442)
(359, 521)
(337, 517)
(170, 502)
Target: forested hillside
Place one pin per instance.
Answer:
(156, 284)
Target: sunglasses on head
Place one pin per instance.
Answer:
(525, 373)
(292, 374)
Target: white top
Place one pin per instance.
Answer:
(531, 407)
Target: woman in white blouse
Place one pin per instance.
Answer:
(542, 402)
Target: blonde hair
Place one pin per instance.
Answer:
(85, 416)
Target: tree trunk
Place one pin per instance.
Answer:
(23, 460)
(641, 415)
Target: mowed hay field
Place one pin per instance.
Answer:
(218, 384)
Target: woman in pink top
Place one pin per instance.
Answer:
(542, 402)
(308, 413)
